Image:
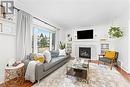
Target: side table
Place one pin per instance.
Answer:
(16, 73)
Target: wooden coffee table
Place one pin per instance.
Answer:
(78, 69)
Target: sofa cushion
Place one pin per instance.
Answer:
(63, 56)
(107, 60)
(54, 53)
(53, 62)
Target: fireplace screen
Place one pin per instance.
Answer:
(85, 52)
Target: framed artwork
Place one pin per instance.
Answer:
(8, 29)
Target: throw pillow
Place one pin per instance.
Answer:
(54, 53)
(47, 55)
(110, 54)
(39, 57)
(62, 52)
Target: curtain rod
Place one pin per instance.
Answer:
(39, 19)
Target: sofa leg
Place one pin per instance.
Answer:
(38, 81)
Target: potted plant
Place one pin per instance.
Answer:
(115, 32)
(62, 45)
(62, 50)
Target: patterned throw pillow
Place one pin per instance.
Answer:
(47, 56)
(39, 57)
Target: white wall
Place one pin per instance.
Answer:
(122, 44)
(7, 45)
(101, 31)
(7, 51)
(62, 35)
(129, 36)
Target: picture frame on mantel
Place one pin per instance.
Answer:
(69, 37)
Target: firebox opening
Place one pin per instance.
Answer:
(85, 52)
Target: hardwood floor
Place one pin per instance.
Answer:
(29, 84)
(12, 83)
(124, 73)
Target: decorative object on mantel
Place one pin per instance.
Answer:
(1, 27)
(69, 48)
(2, 11)
(10, 17)
(115, 32)
(103, 39)
(69, 37)
(62, 45)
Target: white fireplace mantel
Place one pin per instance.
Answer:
(95, 46)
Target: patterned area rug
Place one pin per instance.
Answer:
(99, 76)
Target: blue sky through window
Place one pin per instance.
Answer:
(38, 31)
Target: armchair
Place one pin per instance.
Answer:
(110, 57)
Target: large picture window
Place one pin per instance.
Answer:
(42, 40)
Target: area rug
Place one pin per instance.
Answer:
(99, 76)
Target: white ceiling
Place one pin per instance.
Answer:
(74, 13)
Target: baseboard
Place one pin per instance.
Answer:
(124, 71)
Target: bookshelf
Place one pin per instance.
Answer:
(104, 47)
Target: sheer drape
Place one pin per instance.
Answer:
(23, 35)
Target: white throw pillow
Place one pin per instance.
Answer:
(62, 52)
(47, 55)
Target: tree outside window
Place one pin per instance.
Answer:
(41, 40)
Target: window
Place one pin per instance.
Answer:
(42, 40)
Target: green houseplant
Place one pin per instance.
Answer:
(115, 32)
(62, 45)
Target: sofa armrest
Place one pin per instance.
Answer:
(25, 61)
(38, 71)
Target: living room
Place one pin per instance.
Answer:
(71, 30)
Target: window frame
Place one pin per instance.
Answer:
(50, 38)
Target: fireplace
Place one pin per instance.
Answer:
(85, 52)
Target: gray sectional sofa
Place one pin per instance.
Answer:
(42, 70)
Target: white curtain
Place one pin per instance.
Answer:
(23, 35)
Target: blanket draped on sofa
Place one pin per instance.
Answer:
(30, 72)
